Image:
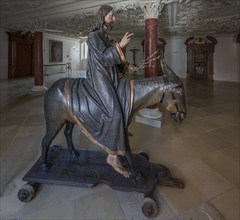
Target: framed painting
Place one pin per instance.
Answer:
(55, 51)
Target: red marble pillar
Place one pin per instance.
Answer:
(150, 115)
(38, 59)
(151, 47)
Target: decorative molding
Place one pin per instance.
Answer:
(201, 40)
(76, 18)
(150, 8)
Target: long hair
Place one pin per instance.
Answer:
(102, 12)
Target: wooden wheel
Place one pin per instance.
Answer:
(26, 193)
(149, 207)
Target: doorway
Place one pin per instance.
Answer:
(20, 62)
(200, 50)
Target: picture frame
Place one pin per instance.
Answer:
(55, 51)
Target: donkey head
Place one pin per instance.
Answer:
(175, 91)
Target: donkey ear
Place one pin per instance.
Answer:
(172, 77)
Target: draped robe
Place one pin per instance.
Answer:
(102, 102)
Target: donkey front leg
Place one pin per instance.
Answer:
(136, 175)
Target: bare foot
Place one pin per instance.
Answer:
(114, 162)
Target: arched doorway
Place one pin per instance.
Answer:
(200, 51)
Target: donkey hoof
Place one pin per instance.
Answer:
(74, 153)
(45, 167)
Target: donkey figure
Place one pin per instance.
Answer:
(147, 92)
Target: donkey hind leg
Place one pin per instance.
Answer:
(68, 134)
(52, 130)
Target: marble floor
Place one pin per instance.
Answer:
(203, 151)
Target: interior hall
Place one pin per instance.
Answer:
(44, 41)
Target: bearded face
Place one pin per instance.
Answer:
(109, 19)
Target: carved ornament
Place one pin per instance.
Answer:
(150, 8)
(201, 40)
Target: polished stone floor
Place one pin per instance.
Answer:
(203, 151)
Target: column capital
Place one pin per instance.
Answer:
(150, 8)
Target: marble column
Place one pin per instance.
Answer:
(151, 115)
(38, 62)
(151, 46)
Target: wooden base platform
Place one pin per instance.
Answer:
(90, 169)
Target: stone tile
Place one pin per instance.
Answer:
(222, 120)
(203, 211)
(192, 145)
(9, 132)
(12, 171)
(12, 121)
(231, 117)
(10, 206)
(173, 132)
(31, 130)
(205, 179)
(182, 199)
(80, 192)
(192, 127)
(180, 151)
(213, 140)
(234, 128)
(208, 124)
(34, 120)
(16, 112)
(228, 203)
(223, 165)
(228, 135)
(232, 152)
(38, 110)
(7, 135)
(101, 205)
(48, 195)
(138, 142)
(196, 113)
(26, 146)
(131, 205)
(62, 211)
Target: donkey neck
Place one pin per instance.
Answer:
(147, 92)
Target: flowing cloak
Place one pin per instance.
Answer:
(102, 103)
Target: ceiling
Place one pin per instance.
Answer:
(75, 18)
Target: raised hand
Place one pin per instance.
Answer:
(125, 40)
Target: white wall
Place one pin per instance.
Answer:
(176, 56)
(226, 57)
(68, 44)
(70, 47)
(136, 42)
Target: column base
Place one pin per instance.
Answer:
(150, 117)
(152, 113)
(39, 88)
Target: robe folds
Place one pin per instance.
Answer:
(102, 102)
